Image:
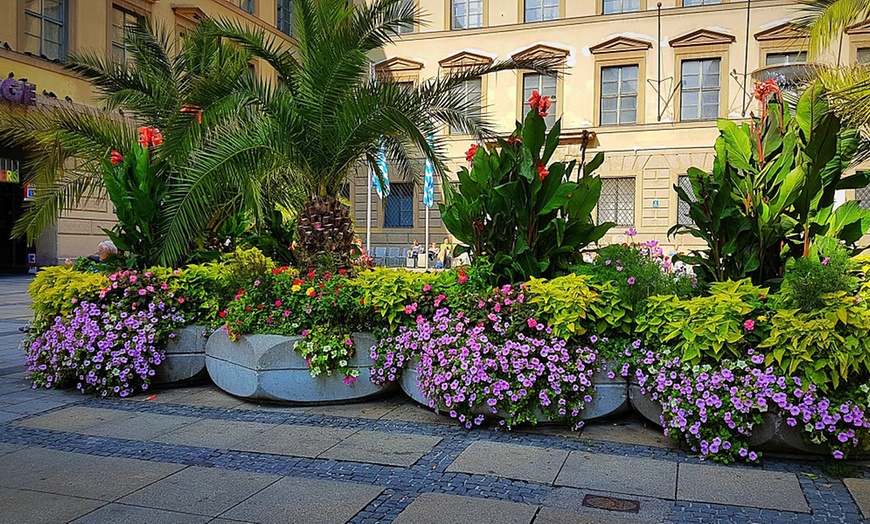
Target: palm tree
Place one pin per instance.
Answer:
(825, 22)
(324, 115)
(159, 81)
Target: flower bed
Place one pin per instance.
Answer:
(270, 367)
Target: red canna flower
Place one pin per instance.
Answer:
(150, 136)
(115, 157)
(544, 106)
(469, 155)
(542, 170)
(535, 100)
(765, 89)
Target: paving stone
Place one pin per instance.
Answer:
(116, 513)
(305, 501)
(555, 516)
(413, 412)
(612, 473)
(6, 416)
(455, 509)
(569, 503)
(204, 491)
(209, 397)
(741, 487)
(297, 441)
(513, 461)
(378, 447)
(74, 474)
(74, 418)
(140, 426)
(860, 491)
(18, 506)
(39, 405)
(373, 409)
(228, 521)
(628, 429)
(215, 433)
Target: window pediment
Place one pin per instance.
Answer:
(859, 29)
(787, 31)
(702, 37)
(541, 51)
(465, 59)
(620, 44)
(397, 65)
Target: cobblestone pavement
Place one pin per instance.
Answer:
(196, 454)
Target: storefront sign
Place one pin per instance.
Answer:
(17, 92)
(9, 171)
(29, 192)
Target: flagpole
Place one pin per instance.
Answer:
(426, 246)
(369, 215)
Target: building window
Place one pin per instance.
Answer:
(691, 3)
(546, 86)
(471, 92)
(466, 14)
(793, 57)
(619, 95)
(699, 97)
(44, 33)
(245, 5)
(538, 10)
(285, 16)
(121, 20)
(683, 217)
(862, 195)
(407, 28)
(344, 191)
(617, 201)
(399, 206)
(620, 6)
(864, 55)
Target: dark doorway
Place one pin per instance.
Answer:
(13, 253)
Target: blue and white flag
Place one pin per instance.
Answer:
(383, 192)
(429, 182)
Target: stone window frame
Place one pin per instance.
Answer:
(784, 38)
(280, 20)
(458, 62)
(413, 28)
(139, 9)
(637, 197)
(66, 35)
(715, 3)
(448, 19)
(703, 44)
(539, 50)
(521, 16)
(617, 52)
(859, 38)
(599, 8)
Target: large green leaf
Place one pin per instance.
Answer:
(738, 146)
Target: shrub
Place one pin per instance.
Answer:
(327, 350)
(56, 291)
(706, 329)
(571, 306)
(807, 280)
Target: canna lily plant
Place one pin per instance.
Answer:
(519, 210)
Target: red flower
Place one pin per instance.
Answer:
(535, 100)
(514, 141)
(277, 303)
(469, 155)
(765, 89)
(544, 106)
(150, 136)
(222, 314)
(298, 282)
(190, 108)
(115, 157)
(342, 271)
(276, 271)
(542, 170)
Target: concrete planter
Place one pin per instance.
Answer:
(643, 403)
(611, 395)
(267, 367)
(185, 359)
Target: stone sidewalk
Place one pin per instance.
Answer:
(198, 455)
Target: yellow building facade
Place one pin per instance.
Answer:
(644, 83)
(644, 80)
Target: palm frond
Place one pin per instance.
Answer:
(825, 20)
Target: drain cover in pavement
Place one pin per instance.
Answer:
(611, 504)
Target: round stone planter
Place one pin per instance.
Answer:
(611, 395)
(267, 367)
(643, 403)
(185, 359)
